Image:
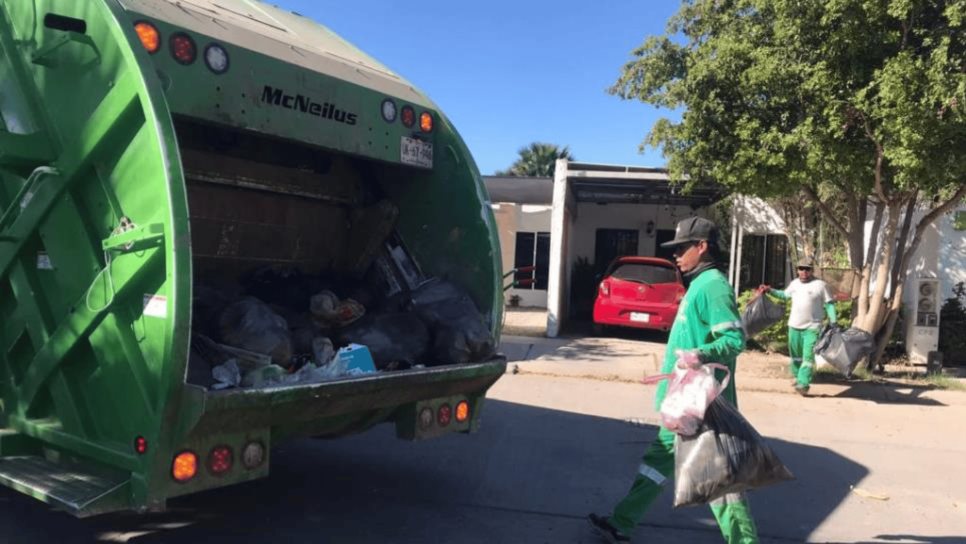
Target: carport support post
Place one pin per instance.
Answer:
(737, 235)
(558, 251)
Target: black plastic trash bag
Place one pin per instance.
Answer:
(460, 334)
(251, 324)
(843, 349)
(726, 456)
(760, 314)
(395, 340)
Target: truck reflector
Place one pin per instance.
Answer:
(149, 36)
(185, 466)
(216, 58)
(253, 455)
(141, 445)
(388, 110)
(183, 48)
(425, 418)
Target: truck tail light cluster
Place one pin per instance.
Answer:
(407, 115)
(220, 461)
(182, 47)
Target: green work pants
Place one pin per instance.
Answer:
(732, 511)
(801, 346)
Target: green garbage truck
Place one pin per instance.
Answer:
(153, 152)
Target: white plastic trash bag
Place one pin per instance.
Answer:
(690, 391)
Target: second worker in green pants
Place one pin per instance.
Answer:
(707, 328)
(811, 302)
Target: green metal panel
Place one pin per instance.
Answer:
(84, 370)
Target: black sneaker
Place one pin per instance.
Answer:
(607, 531)
(802, 390)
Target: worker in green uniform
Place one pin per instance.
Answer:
(707, 328)
(809, 296)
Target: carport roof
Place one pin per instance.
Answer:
(606, 183)
(519, 190)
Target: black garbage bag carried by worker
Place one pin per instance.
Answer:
(761, 313)
(843, 349)
(726, 456)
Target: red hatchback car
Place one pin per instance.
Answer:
(640, 292)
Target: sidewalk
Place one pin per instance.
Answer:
(623, 360)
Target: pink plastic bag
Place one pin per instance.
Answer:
(690, 391)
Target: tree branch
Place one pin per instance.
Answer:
(944, 207)
(829, 213)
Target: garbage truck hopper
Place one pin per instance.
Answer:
(223, 226)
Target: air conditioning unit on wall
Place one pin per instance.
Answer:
(922, 335)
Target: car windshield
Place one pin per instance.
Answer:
(644, 273)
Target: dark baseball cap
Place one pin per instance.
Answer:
(693, 229)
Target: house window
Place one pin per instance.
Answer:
(532, 249)
(764, 259)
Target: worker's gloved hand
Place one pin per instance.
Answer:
(689, 359)
(763, 288)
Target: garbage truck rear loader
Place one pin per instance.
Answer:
(201, 202)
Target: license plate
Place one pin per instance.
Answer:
(640, 317)
(416, 152)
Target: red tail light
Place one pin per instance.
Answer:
(183, 48)
(141, 445)
(220, 460)
(444, 415)
(408, 116)
(605, 288)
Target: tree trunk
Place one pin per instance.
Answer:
(903, 238)
(855, 240)
(864, 302)
(877, 305)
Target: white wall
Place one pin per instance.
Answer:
(755, 216)
(952, 252)
(941, 254)
(591, 216)
(514, 218)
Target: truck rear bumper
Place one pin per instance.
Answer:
(283, 406)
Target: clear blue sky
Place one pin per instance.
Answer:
(508, 73)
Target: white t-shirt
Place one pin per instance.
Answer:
(808, 303)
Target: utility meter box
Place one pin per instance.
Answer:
(922, 330)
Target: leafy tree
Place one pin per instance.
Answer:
(858, 106)
(537, 160)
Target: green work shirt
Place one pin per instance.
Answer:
(707, 320)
